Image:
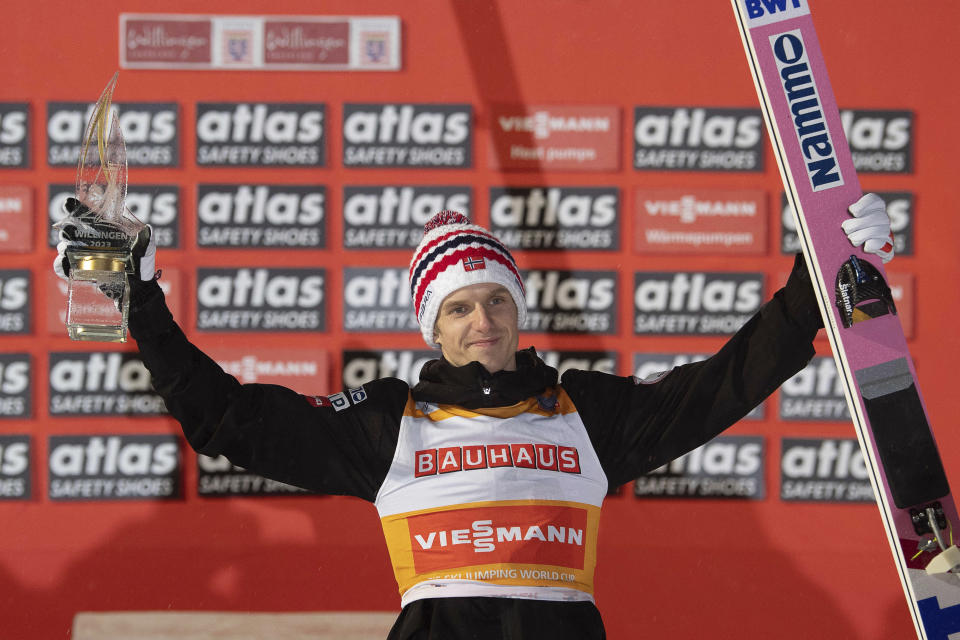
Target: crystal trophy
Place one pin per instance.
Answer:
(101, 231)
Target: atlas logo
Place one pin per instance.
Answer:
(94, 372)
(700, 139)
(260, 134)
(407, 135)
(727, 467)
(715, 292)
(556, 217)
(219, 477)
(377, 300)
(545, 457)
(15, 472)
(361, 367)
(260, 299)
(571, 301)
(15, 391)
(384, 217)
(880, 141)
(14, 128)
(149, 131)
(113, 455)
(814, 394)
(823, 470)
(14, 301)
(156, 205)
(604, 361)
(809, 123)
(261, 215)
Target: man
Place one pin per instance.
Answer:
(489, 474)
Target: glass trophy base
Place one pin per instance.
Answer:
(98, 296)
(97, 332)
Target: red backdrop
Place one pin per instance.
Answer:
(671, 568)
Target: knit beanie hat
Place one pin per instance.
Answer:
(455, 254)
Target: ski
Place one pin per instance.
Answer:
(861, 320)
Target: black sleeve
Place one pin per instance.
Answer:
(343, 448)
(636, 426)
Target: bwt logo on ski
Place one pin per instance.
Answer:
(545, 457)
(761, 8)
(815, 394)
(150, 131)
(542, 218)
(14, 135)
(261, 134)
(217, 477)
(407, 135)
(571, 301)
(361, 367)
(603, 361)
(650, 368)
(386, 217)
(697, 139)
(114, 467)
(900, 208)
(155, 204)
(15, 388)
(880, 141)
(809, 122)
(823, 470)
(83, 383)
(726, 467)
(377, 299)
(15, 292)
(241, 215)
(260, 299)
(694, 303)
(15, 469)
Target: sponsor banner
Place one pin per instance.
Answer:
(303, 369)
(275, 216)
(150, 131)
(697, 139)
(361, 367)
(701, 221)
(155, 204)
(694, 303)
(303, 43)
(377, 299)
(901, 287)
(407, 135)
(260, 299)
(900, 208)
(16, 217)
(57, 294)
(16, 291)
(881, 141)
(14, 135)
(551, 218)
(16, 386)
(392, 217)
(217, 477)
(603, 361)
(261, 134)
(649, 368)
(814, 394)
(555, 138)
(726, 467)
(101, 383)
(113, 467)
(823, 470)
(15, 472)
(571, 301)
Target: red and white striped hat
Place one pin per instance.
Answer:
(455, 254)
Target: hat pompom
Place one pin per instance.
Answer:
(444, 218)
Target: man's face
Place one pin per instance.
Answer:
(479, 322)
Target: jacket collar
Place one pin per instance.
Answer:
(472, 387)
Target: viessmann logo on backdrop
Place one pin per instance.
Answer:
(14, 135)
(245, 215)
(150, 131)
(15, 469)
(391, 217)
(260, 299)
(407, 135)
(548, 218)
(377, 299)
(15, 387)
(823, 470)
(155, 204)
(726, 467)
(557, 137)
(113, 467)
(261, 134)
(694, 303)
(571, 301)
(96, 383)
(15, 293)
(700, 221)
(697, 139)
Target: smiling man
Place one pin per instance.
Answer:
(489, 474)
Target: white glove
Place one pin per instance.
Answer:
(870, 226)
(144, 249)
